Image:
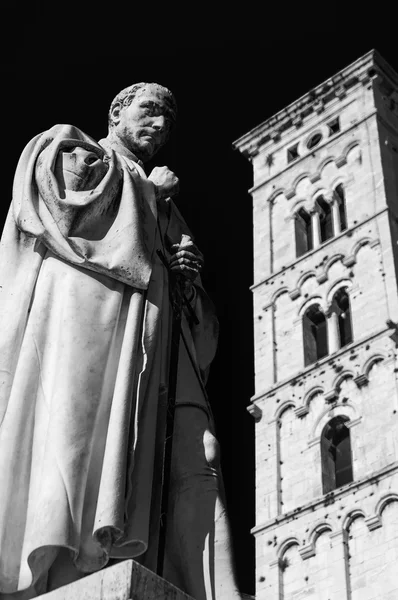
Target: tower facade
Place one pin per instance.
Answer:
(325, 206)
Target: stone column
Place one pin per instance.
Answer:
(333, 332)
(336, 218)
(274, 588)
(316, 234)
(339, 565)
(268, 485)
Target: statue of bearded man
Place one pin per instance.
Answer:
(84, 362)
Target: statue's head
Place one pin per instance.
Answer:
(141, 117)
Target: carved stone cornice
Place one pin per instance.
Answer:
(315, 177)
(307, 551)
(301, 411)
(255, 411)
(361, 380)
(369, 68)
(373, 522)
(319, 502)
(331, 396)
(340, 161)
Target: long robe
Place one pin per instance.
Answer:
(84, 330)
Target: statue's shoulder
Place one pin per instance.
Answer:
(68, 131)
(62, 137)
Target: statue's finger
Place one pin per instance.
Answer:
(185, 270)
(186, 254)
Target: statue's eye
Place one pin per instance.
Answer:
(150, 108)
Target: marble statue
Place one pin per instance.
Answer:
(85, 332)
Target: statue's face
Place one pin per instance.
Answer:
(144, 126)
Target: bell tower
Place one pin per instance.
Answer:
(325, 214)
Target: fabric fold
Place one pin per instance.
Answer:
(84, 315)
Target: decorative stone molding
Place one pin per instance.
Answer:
(253, 151)
(297, 121)
(349, 261)
(352, 291)
(298, 377)
(338, 535)
(267, 306)
(255, 411)
(315, 177)
(307, 551)
(289, 218)
(331, 396)
(394, 336)
(373, 522)
(364, 78)
(318, 106)
(361, 380)
(301, 411)
(314, 442)
(290, 194)
(294, 294)
(341, 161)
(340, 92)
(322, 277)
(329, 197)
(394, 331)
(275, 135)
(353, 423)
(337, 86)
(319, 502)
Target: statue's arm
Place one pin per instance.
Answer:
(72, 197)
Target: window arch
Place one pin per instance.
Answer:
(325, 219)
(341, 204)
(336, 454)
(315, 337)
(341, 305)
(303, 232)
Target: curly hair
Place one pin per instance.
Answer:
(126, 96)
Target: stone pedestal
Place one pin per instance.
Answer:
(125, 581)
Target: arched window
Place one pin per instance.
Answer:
(315, 336)
(325, 219)
(342, 307)
(339, 192)
(336, 454)
(303, 231)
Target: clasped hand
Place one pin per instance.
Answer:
(187, 259)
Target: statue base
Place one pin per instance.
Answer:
(127, 580)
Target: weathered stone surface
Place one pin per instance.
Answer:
(127, 580)
(342, 544)
(86, 363)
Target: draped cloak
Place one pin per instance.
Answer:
(84, 335)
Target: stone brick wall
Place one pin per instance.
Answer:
(342, 544)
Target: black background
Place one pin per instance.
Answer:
(66, 66)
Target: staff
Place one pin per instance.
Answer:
(177, 300)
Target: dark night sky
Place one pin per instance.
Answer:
(225, 84)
